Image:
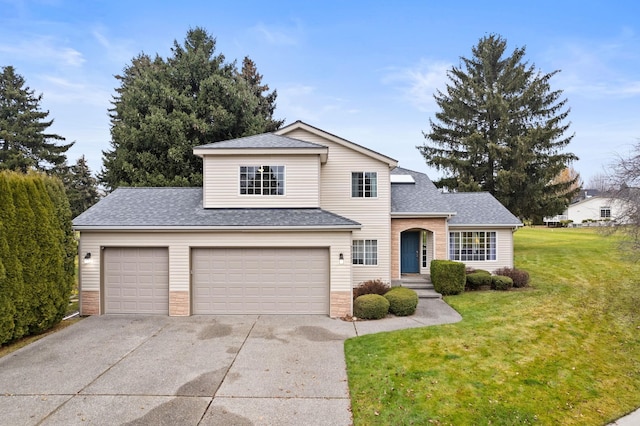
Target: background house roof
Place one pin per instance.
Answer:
(465, 208)
(182, 207)
(261, 141)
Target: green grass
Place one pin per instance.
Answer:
(564, 352)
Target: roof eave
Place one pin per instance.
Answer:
(131, 228)
(321, 151)
(422, 214)
(486, 225)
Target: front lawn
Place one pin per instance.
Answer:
(566, 351)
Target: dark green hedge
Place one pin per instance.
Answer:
(37, 254)
(448, 277)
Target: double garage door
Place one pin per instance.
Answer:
(223, 281)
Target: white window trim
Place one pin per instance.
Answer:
(364, 197)
(487, 246)
(284, 181)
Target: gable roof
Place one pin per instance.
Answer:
(181, 208)
(423, 199)
(336, 139)
(420, 197)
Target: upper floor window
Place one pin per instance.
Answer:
(605, 212)
(472, 245)
(364, 184)
(262, 180)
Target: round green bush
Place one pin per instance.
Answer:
(402, 301)
(500, 282)
(477, 279)
(370, 306)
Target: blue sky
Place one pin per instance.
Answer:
(363, 70)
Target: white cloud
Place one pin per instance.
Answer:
(307, 103)
(117, 50)
(279, 36)
(419, 83)
(44, 48)
(598, 70)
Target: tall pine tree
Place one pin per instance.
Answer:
(164, 108)
(502, 129)
(80, 185)
(24, 141)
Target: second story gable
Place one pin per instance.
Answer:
(298, 166)
(262, 171)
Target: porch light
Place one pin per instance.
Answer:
(87, 258)
(341, 258)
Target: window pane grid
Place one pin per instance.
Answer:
(364, 184)
(472, 246)
(262, 180)
(364, 252)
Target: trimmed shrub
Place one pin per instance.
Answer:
(370, 306)
(477, 279)
(402, 301)
(371, 287)
(520, 277)
(448, 277)
(501, 283)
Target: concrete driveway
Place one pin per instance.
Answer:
(206, 370)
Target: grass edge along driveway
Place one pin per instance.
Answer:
(564, 352)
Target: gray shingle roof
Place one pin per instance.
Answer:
(264, 140)
(182, 207)
(479, 208)
(419, 197)
(468, 208)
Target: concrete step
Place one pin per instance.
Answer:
(417, 285)
(427, 294)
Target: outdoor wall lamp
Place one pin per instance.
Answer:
(341, 258)
(87, 258)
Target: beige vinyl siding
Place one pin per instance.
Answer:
(504, 248)
(222, 177)
(180, 244)
(372, 213)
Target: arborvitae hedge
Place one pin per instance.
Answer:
(37, 252)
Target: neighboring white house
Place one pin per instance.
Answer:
(597, 209)
(286, 222)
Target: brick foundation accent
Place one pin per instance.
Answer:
(90, 302)
(437, 226)
(340, 304)
(179, 304)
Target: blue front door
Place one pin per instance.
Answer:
(409, 252)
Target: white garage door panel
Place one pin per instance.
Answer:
(261, 281)
(136, 280)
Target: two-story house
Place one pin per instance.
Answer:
(286, 222)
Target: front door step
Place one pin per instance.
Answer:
(421, 284)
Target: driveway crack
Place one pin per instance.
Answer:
(229, 369)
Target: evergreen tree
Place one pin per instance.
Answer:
(80, 186)
(501, 129)
(164, 108)
(24, 141)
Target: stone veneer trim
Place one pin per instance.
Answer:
(341, 305)
(90, 302)
(179, 305)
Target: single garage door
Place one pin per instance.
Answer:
(136, 280)
(260, 281)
